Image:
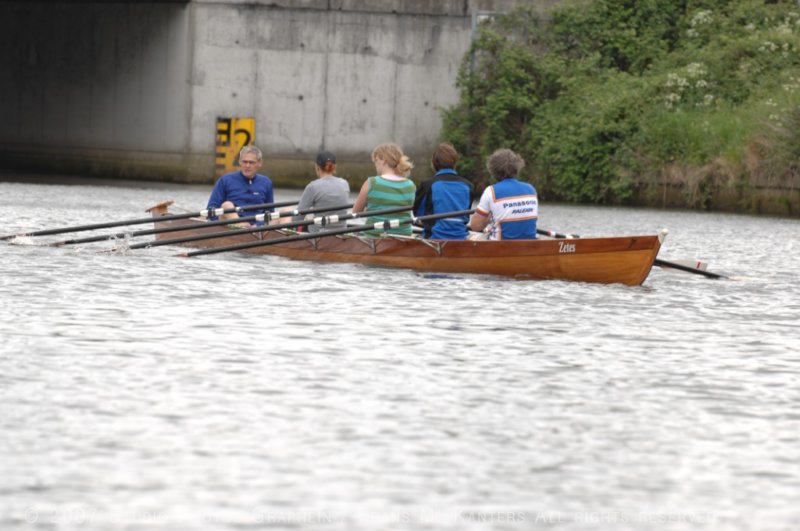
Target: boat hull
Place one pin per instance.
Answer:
(622, 259)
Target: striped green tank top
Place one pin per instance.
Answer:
(384, 193)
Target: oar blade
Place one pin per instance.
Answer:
(690, 263)
(688, 268)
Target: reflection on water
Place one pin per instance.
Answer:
(145, 391)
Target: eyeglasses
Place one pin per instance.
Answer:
(247, 162)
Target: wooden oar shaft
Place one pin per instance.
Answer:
(554, 234)
(148, 232)
(383, 225)
(140, 221)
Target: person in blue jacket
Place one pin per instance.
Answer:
(445, 192)
(244, 187)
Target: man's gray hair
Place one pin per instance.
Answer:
(504, 164)
(250, 148)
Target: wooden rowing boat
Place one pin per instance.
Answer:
(622, 259)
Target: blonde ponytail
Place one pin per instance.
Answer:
(394, 157)
(404, 166)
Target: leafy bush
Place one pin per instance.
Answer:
(503, 83)
(609, 90)
(580, 141)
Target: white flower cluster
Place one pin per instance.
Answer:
(775, 117)
(674, 80)
(701, 18)
(785, 49)
(695, 74)
(792, 85)
(696, 70)
(767, 46)
(672, 99)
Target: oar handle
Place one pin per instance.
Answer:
(259, 218)
(215, 212)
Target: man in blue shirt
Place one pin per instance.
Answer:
(445, 192)
(244, 187)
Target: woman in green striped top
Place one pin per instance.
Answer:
(390, 188)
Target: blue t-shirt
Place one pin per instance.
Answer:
(241, 191)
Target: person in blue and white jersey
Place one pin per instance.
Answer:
(244, 187)
(510, 205)
(445, 192)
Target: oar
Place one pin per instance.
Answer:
(321, 221)
(674, 265)
(381, 225)
(659, 262)
(553, 234)
(258, 217)
(202, 213)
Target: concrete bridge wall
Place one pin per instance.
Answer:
(133, 89)
(95, 88)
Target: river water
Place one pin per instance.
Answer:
(143, 391)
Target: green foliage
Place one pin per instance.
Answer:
(628, 35)
(610, 89)
(503, 83)
(581, 140)
(779, 148)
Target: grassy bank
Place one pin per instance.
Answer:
(618, 102)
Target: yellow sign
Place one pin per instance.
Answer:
(232, 135)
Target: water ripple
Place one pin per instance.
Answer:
(144, 391)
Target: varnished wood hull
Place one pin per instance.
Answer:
(624, 259)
